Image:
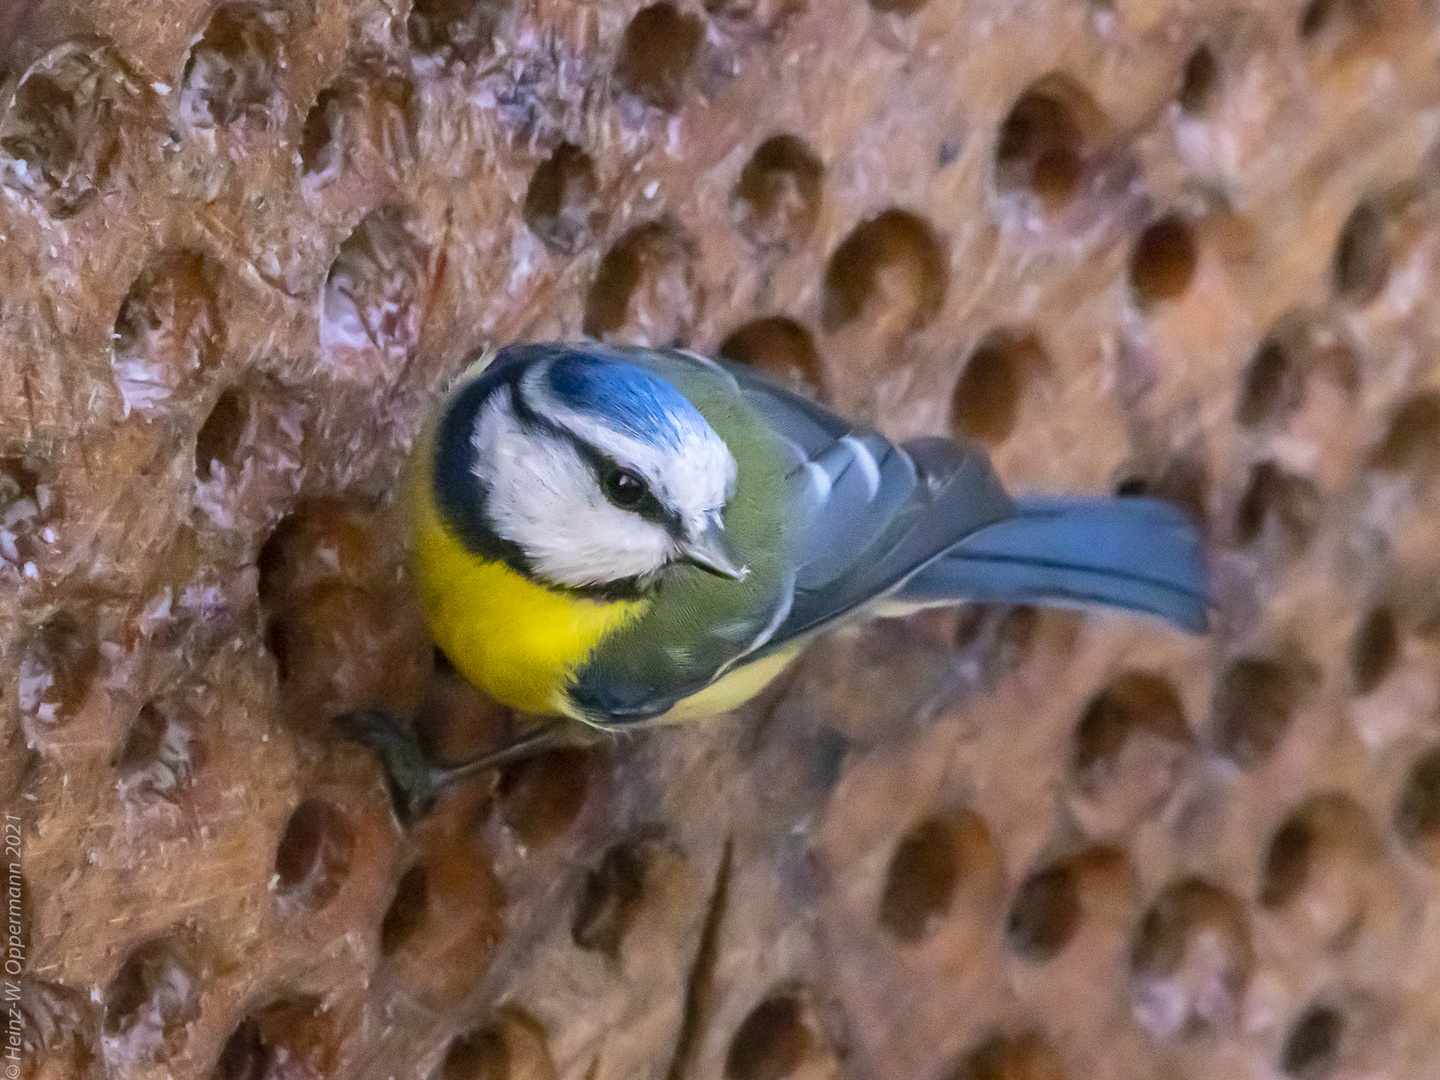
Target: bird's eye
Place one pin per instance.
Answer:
(623, 488)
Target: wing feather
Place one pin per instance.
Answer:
(870, 513)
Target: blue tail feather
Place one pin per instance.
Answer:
(1133, 553)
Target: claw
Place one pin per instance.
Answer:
(409, 774)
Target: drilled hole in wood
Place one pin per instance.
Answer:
(1256, 697)
(275, 562)
(160, 755)
(1130, 746)
(375, 295)
(321, 540)
(1185, 481)
(321, 137)
(1321, 867)
(237, 68)
(1286, 863)
(1312, 1046)
(1375, 649)
(1286, 500)
(891, 270)
(1299, 348)
(341, 633)
(610, 899)
(314, 855)
(478, 1055)
(1026, 1056)
(1417, 813)
(1132, 702)
(1412, 438)
(277, 644)
(1046, 142)
(776, 200)
(153, 999)
(64, 133)
(445, 920)
(220, 443)
(168, 329)
(922, 876)
(560, 203)
(245, 1055)
(1200, 81)
(542, 797)
(406, 916)
(925, 871)
(57, 667)
(19, 479)
(987, 400)
(455, 30)
(646, 290)
(657, 53)
(513, 1046)
(780, 348)
(1330, 28)
(1163, 261)
(1318, 14)
(1191, 960)
(371, 111)
(771, 1043)
(1272, 385)
(1045, 913)
(1362, 255)
(291, 1039)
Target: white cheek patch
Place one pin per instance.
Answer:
(544, 497)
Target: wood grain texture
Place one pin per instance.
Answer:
(1178, 246)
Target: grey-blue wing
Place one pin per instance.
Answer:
(869, 513)
(856, 550)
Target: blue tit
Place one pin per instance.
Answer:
(619, 536)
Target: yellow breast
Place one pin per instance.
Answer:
(518, 641)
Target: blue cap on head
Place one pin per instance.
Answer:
(624, 396)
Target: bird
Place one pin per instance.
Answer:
(606, 537)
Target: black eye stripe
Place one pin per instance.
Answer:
(648, 507)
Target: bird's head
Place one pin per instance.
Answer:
(601, 473)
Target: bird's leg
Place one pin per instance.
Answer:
(414, 780)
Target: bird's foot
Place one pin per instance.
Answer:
(414, 780)
(409, 773)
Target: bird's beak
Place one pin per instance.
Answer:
(708, 550)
